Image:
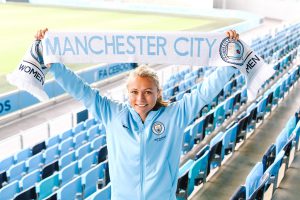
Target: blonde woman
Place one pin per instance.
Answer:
(144, 135)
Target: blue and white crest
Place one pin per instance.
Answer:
(158, 128)
(232, 51)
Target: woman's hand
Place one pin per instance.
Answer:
(40, 34)
(232, 34)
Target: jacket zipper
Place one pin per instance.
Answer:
(142, 163)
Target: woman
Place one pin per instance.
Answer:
(144, 136)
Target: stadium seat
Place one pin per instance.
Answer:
(83, 150)
(6, 163)
(197, 130)
(38, 147)
(30, 179)
(3, 179)
(66, 146)
(80, 139)
(252, 117)
(102, 194)
(219, 115)
(72, 190)
(47, 186)
(183, 180)
(269, 157)
(88, 123)
(215, 152)
(66, 135)
(98, 142)
(66, 159)
(68, 173)
(239, 194)
(78, 128)
(34, 162)
(52, 141)
(51, 154)
(253, 179)
(93, 132)
(94, 178)
(229, 142)
(102, 154)
(208, 126)
(87, 162)
(49, 169)
(228, 107)
(198, 172)
(27, 194)
(23, 155)
(16, 171)
(10, 190)
(273, 170)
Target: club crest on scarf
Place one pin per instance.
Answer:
(158, 128)
(232, 51)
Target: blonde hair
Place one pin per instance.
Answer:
(145, 71)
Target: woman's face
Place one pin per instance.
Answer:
(143, 94)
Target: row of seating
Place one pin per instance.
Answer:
(208, 160)
(266, 175)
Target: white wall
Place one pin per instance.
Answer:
(278, 9)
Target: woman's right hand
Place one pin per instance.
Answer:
(40, 34)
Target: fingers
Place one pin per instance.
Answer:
(232, 34)
(40, 34)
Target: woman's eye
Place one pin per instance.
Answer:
(148, 92)
(134, 92)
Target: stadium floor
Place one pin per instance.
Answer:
(227, 179)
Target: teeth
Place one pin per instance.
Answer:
(141, 105)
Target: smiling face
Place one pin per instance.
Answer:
(143, 94)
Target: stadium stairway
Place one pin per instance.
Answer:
(289, 187)
(224, 183)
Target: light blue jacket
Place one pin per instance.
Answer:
(143, 157)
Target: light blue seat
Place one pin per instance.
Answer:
(78, 128)
(30, 179)
(35, 162)
(197, 130)
(80, 139)
(7, 163)
(281, 140)
(68, 173)
(66, 159)
(253, 178)
(228, 107)
(229, 141)
(54, 140)
(102, 194)
(72, 190)
(16, 171)
(66, 135)
(83, 150)
(273, 170)
(47, 186)
(93, 132)
(10, 190)
(219, 115)
(23, 155)
(66, 146)
(261, 108)
(98, 142)
(244, 95)
(87, 162)
(51, 154)
(88, 123)
(227, 89)
(93, 177)
(198, 172)
(188, 140)
(183, 179)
